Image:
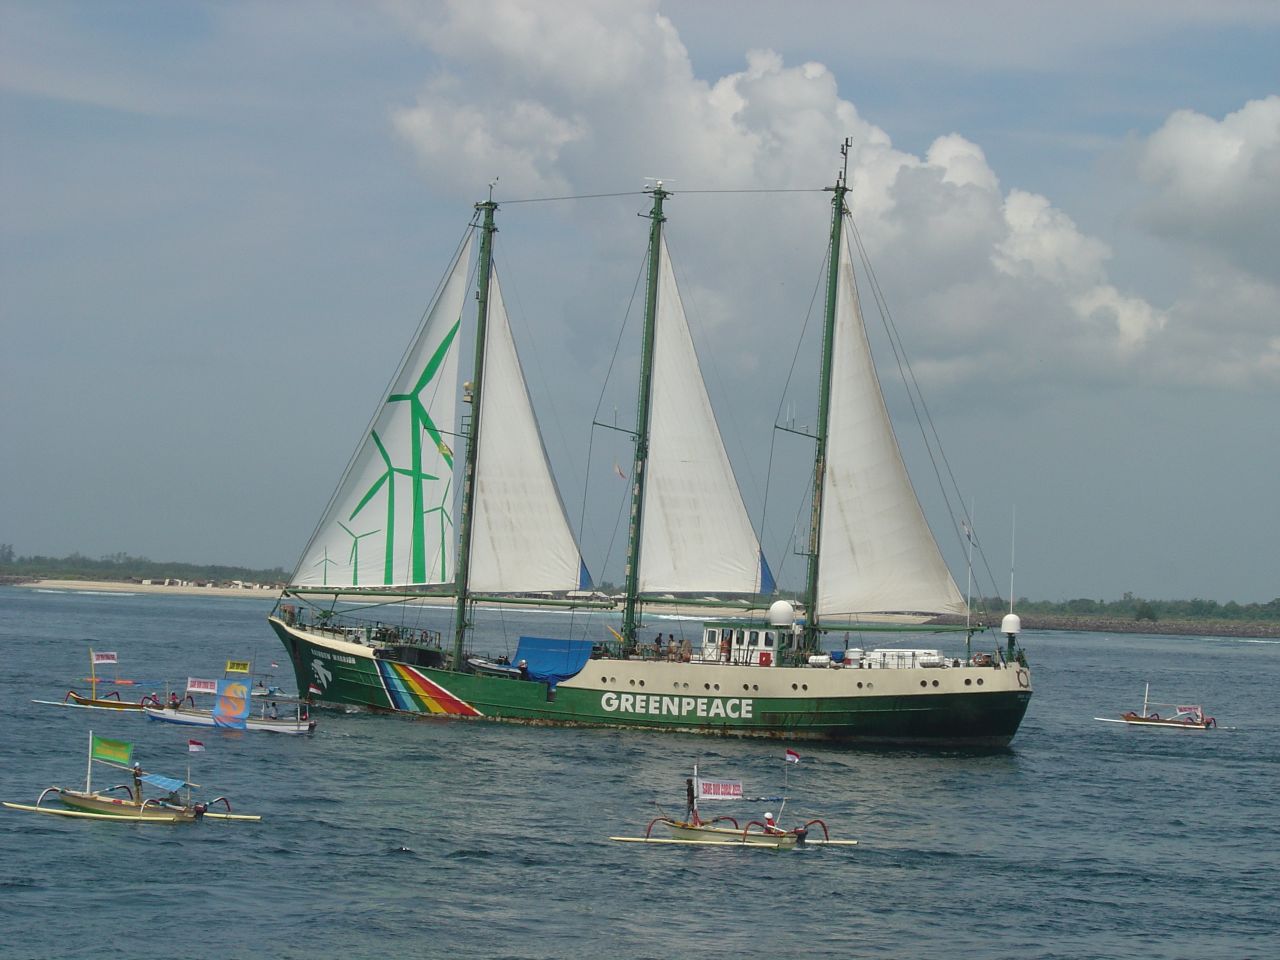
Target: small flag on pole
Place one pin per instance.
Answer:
(195, 746)
(274, 664)
(314, 690)
(792, 756)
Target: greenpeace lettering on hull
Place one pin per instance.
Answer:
(657, 705)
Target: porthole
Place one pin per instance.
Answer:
(804, 686)
(632, 681)
(794, 687)
(676, 686)
(924, 683)
(717, 686)
(755, 686)
(604, 679)
(979, 681)
(746, 686)
(870, 685)
(706, 686)
(968, 681)
(859, 684)
(935, 683)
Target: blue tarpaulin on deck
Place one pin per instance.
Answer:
(552, 660)
(164, 783)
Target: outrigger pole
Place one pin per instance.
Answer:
(811, 630)
(461, 615)
(638, 469)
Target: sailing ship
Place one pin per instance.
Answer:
(386, 534)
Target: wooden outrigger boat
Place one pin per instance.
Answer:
(109, 701)
(233, 707)
(296, 721)
(726, 831)
(1188, 717)
(132, 806)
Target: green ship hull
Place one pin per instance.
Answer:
(953, 706)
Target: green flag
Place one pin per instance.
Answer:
(113, 751)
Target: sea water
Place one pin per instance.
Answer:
(386, 837)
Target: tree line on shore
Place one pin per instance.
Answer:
(121, 566)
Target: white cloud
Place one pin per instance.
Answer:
(562, 98)
(1216, 184)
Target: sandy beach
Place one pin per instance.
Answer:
(118, 586)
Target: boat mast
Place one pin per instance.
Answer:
(630, 589)
(461, 618)
(824, 400)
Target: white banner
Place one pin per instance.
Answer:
(720, 789)
(201, 686)
(104, 658)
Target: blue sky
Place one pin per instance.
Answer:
(221, 223)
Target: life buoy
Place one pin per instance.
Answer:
(1024, 679)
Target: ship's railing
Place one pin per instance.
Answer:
(370, 633)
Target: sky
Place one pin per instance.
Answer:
(221, 223)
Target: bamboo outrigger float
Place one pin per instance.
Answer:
(90, 804)
(765, 834)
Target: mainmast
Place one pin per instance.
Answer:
(630, 589)
(824, 400)
(462, 611)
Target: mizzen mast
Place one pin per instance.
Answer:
(824, 400)
(643, 405)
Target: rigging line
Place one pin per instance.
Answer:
(909, 378)
(761, 190)
(795, 357)
(617, 347)
(581, 196)
(422, 322)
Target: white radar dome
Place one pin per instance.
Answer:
(782, 614)
(1011, 625)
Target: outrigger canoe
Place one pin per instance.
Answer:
(132, 806)
(298, 722)
(1188, 717)
(109, 701)
(760, 834)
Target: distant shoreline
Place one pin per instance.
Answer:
(124, 586)
(1258, 629)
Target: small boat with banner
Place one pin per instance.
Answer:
(765, 833)
(234, 708)
(108, 701)
(1183, 717)
(130, 804)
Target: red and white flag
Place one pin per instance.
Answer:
(104, 658)
(195, 746)
(314, 690)
(792, 756)
(274, 664)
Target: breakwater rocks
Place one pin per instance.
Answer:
(1179, 628)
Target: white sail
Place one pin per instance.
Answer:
(390, 524)
(695, 535)
(876, 552)
(520, 536)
